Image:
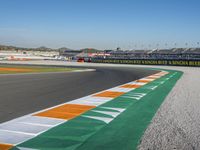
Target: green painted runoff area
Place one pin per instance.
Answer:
(122, 133)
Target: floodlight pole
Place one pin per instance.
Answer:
(186, 44)
(135, 46)
(149, 46)
(175, 44)
(142, 46)
(166, 45)
(157, 45)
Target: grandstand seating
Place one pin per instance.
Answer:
(174, 53)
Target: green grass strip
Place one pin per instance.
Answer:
(33, 69)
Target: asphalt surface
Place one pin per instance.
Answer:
(176, 125)
(28, 93)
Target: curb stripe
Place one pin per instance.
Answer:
(66, 112)
(131, 86)
(110, 94)
(5, 146)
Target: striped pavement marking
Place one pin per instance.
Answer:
(91, 100)
(152, 77)
(111, 94)
(131, 86)
(136, 96)
(104, 119)
(113, 114)
(117, 109)
(5, 146)
(66, 111)
(144, 80)
(120, 89)
(136, 83)
(94, 109)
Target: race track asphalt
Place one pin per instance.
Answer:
(28, 93)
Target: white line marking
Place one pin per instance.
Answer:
(32, 134)
(37, 124)
(104, 119)
(113, 114)
(114, 108)
(136, 96)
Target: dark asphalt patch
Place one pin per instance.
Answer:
(24, 94)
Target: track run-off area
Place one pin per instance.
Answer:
(118, 117)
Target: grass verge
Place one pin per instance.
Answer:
(15, 69)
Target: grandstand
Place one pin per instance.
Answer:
(88, 53)
(174, 53)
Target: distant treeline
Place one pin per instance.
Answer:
(195, 63)
(43, 48)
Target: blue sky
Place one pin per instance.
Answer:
(101, 24)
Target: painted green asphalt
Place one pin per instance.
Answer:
(123, 133)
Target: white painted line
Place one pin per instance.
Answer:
(154, 76)
(91, 100)
(136, 96)
(151, 87)
(87, 103)
(22, 148)
(13, 138)
(137, 83)
(42, 120)
(146, 79)
(114, 108)
(25, 128)
(113, 114)
(37, 124)
(18, 132)
(104, 119)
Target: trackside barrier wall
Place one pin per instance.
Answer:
(194, 63)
